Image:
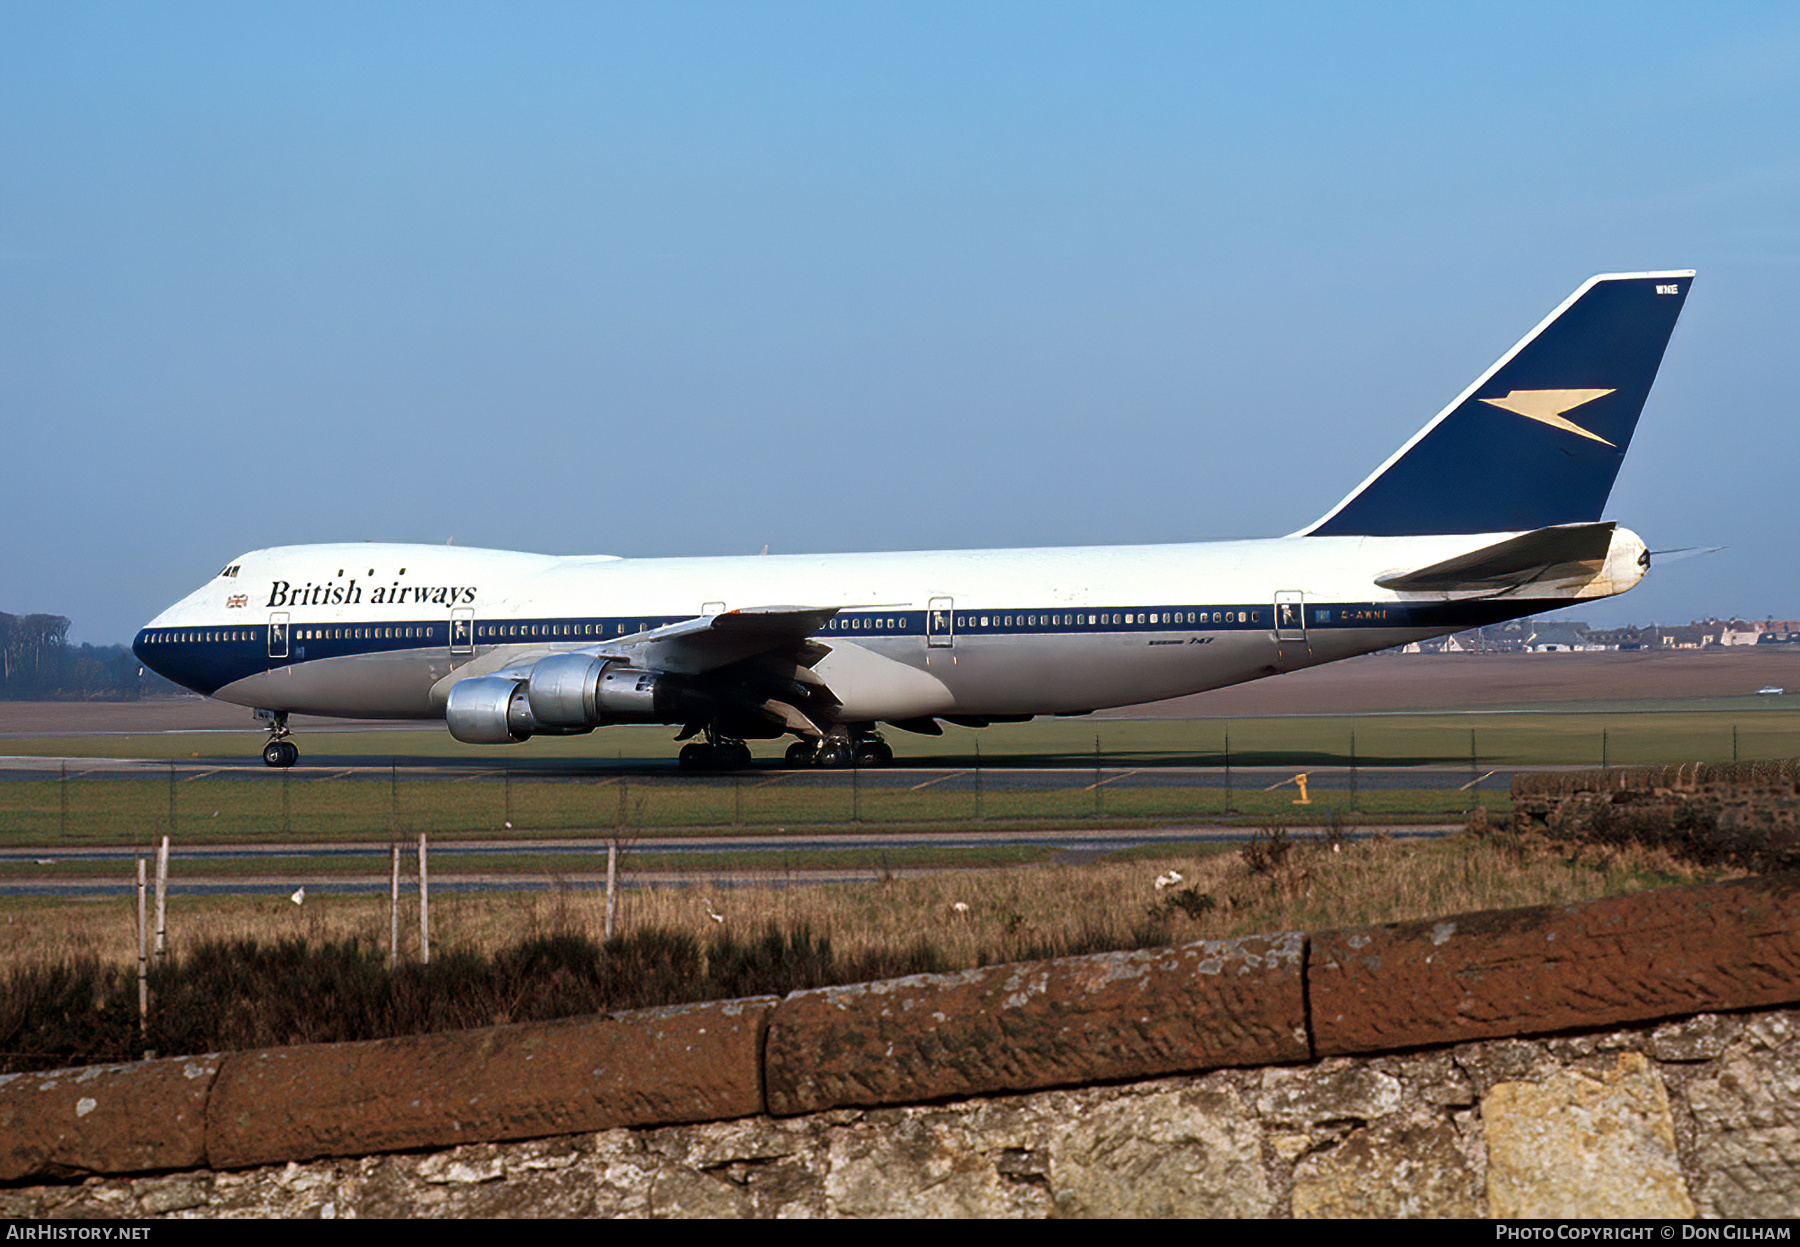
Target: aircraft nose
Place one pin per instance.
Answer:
(163, 658)
(194, 658)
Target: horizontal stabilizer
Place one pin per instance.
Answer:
(1515, 561)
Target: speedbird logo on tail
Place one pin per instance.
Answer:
(1547, 406)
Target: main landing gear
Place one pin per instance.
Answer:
(716, 753)
(844, 747)
(860, 746)
(280, 751)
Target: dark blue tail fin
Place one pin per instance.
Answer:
(1539, 438)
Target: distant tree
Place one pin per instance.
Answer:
(31, 651)
(37, 662)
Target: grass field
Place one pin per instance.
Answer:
(973, 907)
(198, 811)
(1099, 772)
(1005, 912)
(261, 972)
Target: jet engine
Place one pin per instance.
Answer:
(489, 710)
(566, 694)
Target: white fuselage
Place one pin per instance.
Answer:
(384, 631)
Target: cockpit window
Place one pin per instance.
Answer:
(230, 573)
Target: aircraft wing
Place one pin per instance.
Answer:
(691, 647)
(696, 646)
(1510, 563)
(767, 649)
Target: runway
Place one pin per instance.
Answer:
(998, 777)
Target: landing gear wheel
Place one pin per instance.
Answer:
(800, 753)
(873, 753)
(833, 754)
(725, 755)
(279, 751)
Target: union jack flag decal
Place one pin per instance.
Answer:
(237, 599)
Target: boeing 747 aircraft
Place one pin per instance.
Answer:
(1492, 511)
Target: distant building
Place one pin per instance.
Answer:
(1628, 638)
(1738, 632)
(1560, 636)
(1552, 636)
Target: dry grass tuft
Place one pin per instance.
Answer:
(1279, 882)
(254, 971)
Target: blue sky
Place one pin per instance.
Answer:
(695, 278)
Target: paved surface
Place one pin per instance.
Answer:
(370, 863)
(997, 778)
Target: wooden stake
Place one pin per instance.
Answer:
(424, 905)
(162, 895)
(612, 866)
(143, 959)
(394, 908)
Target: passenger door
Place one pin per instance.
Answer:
(940, 623)
(462, 630)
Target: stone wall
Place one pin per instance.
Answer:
(1697, 1116)
(1629, 1056)
(1744, 812)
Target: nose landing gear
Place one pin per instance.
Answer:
(280, 751)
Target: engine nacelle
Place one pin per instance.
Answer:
(576, 690)
(561, 688)
(489, 710)
(564, 694)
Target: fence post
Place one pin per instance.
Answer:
(394, 904)
(612, 867)
(171, 796)
(1354, 798)
(977, 781)
(162, 892)
(424, 905)
(143, 960)
(63, 789)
